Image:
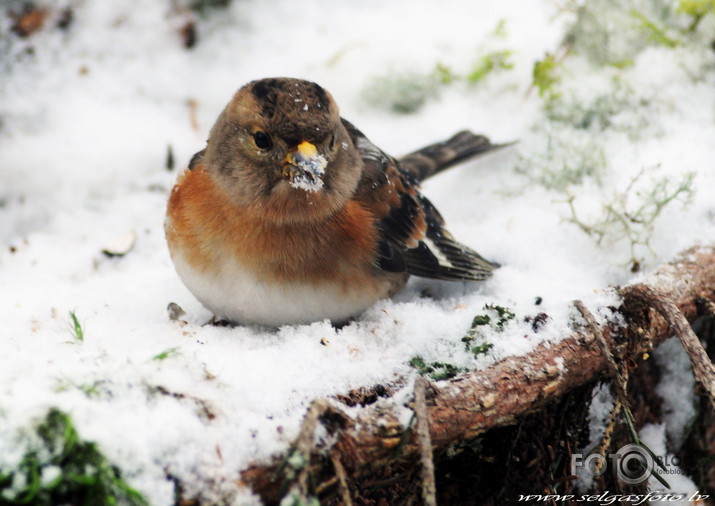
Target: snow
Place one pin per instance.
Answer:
(654, 436)
(86, 121)
(676, 388)
(310, 176)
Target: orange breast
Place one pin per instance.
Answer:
(206, 227)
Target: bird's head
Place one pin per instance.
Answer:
(280, 147)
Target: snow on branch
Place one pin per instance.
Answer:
(472, 403)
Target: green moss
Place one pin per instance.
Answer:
(480, 319)
(504, 315)
(500, 30)
(564, 163)
(406, 92)
(436, 370)
(697, 10)
(403, 93)
(655, 33)
(546, 76)
(444, 74)
(60, 468)
(496, 318)
(205, 6)
(614, 32)
(618, 109)
(487, 64)
(481, 349)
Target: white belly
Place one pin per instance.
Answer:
(238, 295)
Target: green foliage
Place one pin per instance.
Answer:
(403, 93)
(545, 76)
(564, 163)
(406, 92)
(63, 469)
(621, 64)
(95, 389)
(498, 60)
(480, 319)
(205, 6)
(613, 32)
(654, 32)
(435, 370)
(92, 389)
(295, 498)
(76, 327)
(631, 213)
(600, 111)
(500, 30)
(697, 10)
(609, 33)
(569, 160)
(444, 74)
(480, 349)
(504, 315)
(167, 353)
(496, 318)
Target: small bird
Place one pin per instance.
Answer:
(291, 215)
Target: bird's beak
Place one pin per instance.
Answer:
(303, 167)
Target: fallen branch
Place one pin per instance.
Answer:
(470, 404)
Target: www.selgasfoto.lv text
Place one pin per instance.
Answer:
(608, 498)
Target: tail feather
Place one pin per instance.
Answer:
(432, 159)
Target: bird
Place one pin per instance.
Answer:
(290, 215)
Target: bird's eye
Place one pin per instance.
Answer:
(332, 142)
(262, 140)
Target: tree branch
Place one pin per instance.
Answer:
(472, 403)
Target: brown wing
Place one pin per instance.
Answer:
(412, 234)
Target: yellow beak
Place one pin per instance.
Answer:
(303, 152)
(304, 167)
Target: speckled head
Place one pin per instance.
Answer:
(297, 110)
(257, 150)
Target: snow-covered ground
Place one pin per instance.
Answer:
(86, 120)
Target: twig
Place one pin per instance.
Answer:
(327, 484)
(618, 383)
(306, 439)
(703, 368)
(193, 105)
(605, 350)
(342, 478)
(429, 488)
(608, 431)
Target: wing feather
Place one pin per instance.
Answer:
(412, 233)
